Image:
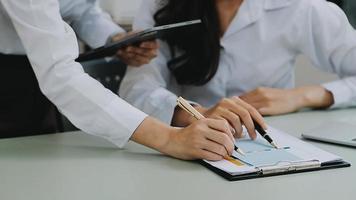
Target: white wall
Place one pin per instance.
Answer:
(123, 12)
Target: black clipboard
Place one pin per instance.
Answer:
(158, 32)
(260, 174)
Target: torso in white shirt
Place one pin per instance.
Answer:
(10, 42)
(254, 54)
(260, 48)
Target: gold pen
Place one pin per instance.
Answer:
(182, 103)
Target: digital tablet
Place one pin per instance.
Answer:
(333, 132)
(158, 32)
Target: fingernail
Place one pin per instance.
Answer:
(232, 130)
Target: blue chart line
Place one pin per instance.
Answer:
(249, 145)
(260, 153)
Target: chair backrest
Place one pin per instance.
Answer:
(350, 9)
(108, 73)
(338, 2)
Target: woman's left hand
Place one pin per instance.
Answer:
(139, 55)
(271, 101)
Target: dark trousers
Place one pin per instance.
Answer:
(24, 110)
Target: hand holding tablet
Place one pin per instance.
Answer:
(136, 55)
(158, 32)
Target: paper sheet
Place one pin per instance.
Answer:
(232, 168)
(261, 153)
(300, 148)
(268, 157)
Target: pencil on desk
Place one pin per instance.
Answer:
(182, 103)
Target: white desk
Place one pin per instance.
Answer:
(75, 166)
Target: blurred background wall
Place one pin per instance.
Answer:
(123, 12)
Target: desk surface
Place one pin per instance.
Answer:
(77, 166)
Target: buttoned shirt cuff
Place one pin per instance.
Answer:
(342, 93)
(128, 119)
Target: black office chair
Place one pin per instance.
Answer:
(109, 73)
(338, 2)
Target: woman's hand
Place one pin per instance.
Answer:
(234, 110)
(208, 139)
(136, 55)
(237, 113)
(270, 101)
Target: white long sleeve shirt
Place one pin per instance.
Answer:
(260, 48)
(37, 28)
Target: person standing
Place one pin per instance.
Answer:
(23, 107)
(36, 28)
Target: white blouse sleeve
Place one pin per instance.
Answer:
(146, 87)
(90, 22)
(330, 41)
(51, 47)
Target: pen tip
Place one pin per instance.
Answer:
(274, 145)
(240, 152)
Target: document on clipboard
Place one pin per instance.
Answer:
(261, 159)
(158, 32)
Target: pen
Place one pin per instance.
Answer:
(182, 103)
(264, 134)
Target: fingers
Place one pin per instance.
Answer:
(142, 51)
(216, 148)
(247, 121)
(139, 55)
(260, 94)
(250, 97)
(235, 122)
(254, 113)
(207, 155)
(223, 127)
(263, 108)
(270, 111)
(207, 141)
(243, 114)
(222, 139)
(133, 59)
(258, 105)
(149, 53)
(150, 45)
